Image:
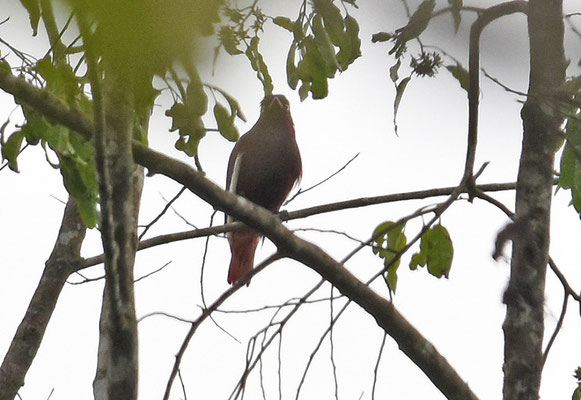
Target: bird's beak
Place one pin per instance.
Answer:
(279, 102)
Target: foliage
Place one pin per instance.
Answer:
(436, 252)
(388, 243)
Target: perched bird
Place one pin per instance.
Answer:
(263, 167)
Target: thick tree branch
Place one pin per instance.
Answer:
(62, 261)
(486, 17)
(412, 343)
(409, 339)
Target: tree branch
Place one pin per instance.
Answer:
(62, 261)
(412, 343)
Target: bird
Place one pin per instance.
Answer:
(264, 166)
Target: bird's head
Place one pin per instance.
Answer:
(274, 104)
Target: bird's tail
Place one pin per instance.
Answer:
(243, 246)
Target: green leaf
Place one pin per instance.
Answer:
(285, 23)
(225, 123)
(333, 19)
(257, 63)
(11, 149)
(324, 47)
(393, 71)
(5, 67)
(350, 49)
(456, 6)
(304, 90)
(197, 99)
(235, 109)
(312, 69)
(461, 75)
(419, 20)
(33, 8)
(85, 195)
(190, 126)
(417, 24)
(229, 40)
(60, 80)
(381, 37)
(400, 89)
(292, 76)
(436, 252)
(570, 176)
(388, 241)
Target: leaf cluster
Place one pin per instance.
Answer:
(75, 156)
(436, 250)
(240, 35)
(187, 115)
(324, 42)
(425, 63)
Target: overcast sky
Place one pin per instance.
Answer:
(462, 316)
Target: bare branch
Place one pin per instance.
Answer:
(206, 312)
(62, 261)
(162, 212)
(300, 191)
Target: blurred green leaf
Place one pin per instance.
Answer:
(11, 149)
(416, 25)
(389, 240)
(393, 71)
(400, 89)
(461, 75)
(225, 123)
(324, 47)
(285, 23)
(60, 80)
(381, 37)
(229, 40)
(436, 252)
(76, 161)
(291, 69)
(333, 19)
(304, 90)
(82, 188)
(235, 109)
(456, 6)
(570, 176)
(197, 99)
(257, 63)
(33, 8)
(313, 69)
(190, 127)
(350, 49)
(149, 36)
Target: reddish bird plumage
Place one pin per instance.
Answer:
(263, 167)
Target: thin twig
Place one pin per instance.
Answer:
(300, 191)
(206, 312)
(558, 326)
(162, 212)
(377, 366)
(502, 85)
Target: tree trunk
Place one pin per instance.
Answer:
(120, 183)
(524, 326)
